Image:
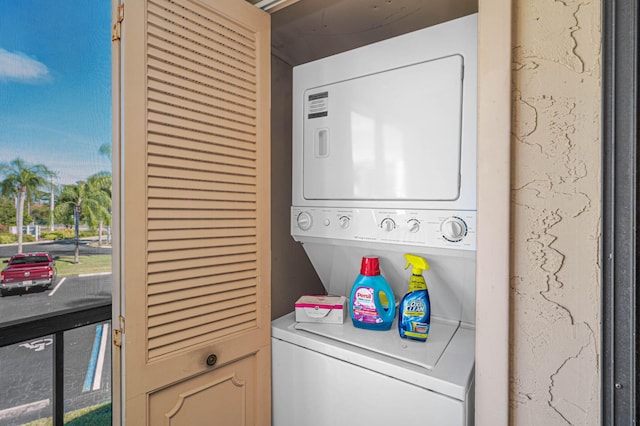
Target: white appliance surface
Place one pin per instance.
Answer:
(385, 137)
(389, 125)
(388, 343)
(450, 278)
(321, 380)
(426, 228)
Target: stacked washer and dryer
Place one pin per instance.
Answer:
(384, 163)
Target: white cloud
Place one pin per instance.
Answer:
(17, 66)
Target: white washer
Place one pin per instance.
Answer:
(336, 374)
(322, 378)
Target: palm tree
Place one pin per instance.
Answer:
(105, 149)
(87, 201)
(21, 181)
(52, 201)
(102, 182)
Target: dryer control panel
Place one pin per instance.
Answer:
(429, 228)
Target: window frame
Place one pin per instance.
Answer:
(620, 333)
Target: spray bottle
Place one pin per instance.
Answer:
(414, 316)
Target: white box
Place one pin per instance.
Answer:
(321, 309)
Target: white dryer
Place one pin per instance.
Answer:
(384, 163)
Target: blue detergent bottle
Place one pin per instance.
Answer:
(372, 303)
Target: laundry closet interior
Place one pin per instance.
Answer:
(310, 30)
(305, 31)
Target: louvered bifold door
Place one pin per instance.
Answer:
(194, 219)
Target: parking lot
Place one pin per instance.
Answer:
(26, 368)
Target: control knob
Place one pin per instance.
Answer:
(344, 222)
(388, 224)
(414, 225)
(304, 220)
(453, 229)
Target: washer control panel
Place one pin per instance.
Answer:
(430, 228)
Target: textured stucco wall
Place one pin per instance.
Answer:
(555, 283)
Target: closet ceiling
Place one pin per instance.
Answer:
(312, 29)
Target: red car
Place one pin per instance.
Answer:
(26, 271)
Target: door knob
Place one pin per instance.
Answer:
(211, 360)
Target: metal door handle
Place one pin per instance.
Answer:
(211, 360)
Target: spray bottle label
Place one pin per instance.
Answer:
(414, 316)
(364, 307)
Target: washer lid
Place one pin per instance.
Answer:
(452, 374)
(423, 354)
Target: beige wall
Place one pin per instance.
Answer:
(292, 275)
(555, 282)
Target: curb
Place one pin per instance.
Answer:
(93, 275)
(47, 242)
(23, 409)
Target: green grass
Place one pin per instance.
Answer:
(86, 265)
(98, 415)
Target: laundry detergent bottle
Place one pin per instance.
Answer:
(372, 303)
(414, 313)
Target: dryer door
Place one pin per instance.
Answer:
(393, 135)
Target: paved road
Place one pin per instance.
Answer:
(67, 292)
(26, 369)
(56, 248)
(26, 375)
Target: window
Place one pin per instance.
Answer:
(55, 199)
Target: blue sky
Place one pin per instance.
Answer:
(55, 84)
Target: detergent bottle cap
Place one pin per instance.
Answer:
(370, 266)
(418, 263)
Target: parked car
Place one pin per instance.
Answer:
(26, 271)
